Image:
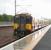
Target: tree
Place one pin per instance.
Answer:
(5, 17)
(1, 18)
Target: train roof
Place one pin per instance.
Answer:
(24, 14)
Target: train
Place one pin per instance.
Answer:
(24, 24)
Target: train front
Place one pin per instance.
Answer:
(22, 25)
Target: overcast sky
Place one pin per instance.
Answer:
(37, 8)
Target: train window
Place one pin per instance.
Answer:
(29, 20)
(17, 20)
(22, 20)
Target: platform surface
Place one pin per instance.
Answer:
(45, 42)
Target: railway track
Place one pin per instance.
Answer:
(6, 36)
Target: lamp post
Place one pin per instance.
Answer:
(15, 7)
(15, 10)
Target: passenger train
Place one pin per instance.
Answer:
(23, 24)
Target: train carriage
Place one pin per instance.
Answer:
(22, 25)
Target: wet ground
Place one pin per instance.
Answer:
(45, 42)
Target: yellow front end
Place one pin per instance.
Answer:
(29, 26)
(16, 25)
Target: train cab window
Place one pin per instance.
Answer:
(29, 20)
(17, 20)
(22, 20)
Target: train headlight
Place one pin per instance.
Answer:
(16, 26)
(29, 26)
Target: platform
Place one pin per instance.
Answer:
(45, 42)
